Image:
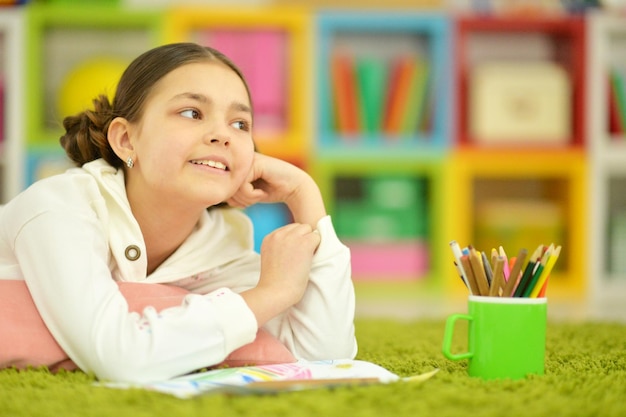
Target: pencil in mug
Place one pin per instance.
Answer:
(540, 288)
(467, 267)
(528, 272)
(514, 276)
(541, 264)
(478, 269)
(487, 268)
(497, 284)
(457, 253)
(507, 268)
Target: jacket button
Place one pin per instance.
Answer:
(132, 252)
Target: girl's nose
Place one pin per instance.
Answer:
(215, 139)
(217, 134)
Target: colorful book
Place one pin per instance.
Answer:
(615, 123)
(344, 93)
(264, 379)
(403, 69)
(372, 80)
(414, 111)
(619, 90)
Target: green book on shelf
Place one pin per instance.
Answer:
(619, 91)
(372, 79)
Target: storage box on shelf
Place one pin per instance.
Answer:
(607, 121)
(74, 53)
(521, 200)
(520, 81)
(382, 135)
(11, 102)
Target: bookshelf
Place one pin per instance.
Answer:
(11, 112)
(607, 274)
(432, 169)
(384, 185)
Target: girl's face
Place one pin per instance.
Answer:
(193, 144)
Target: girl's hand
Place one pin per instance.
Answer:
(272, 180)
(286, 257)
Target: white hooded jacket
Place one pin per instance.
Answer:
(72, 235)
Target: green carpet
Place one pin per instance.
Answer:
(585, 376)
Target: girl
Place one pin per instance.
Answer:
(145, 205)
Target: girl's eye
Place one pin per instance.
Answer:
(190, 113)
(241, 125)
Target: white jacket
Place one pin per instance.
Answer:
(67, 237)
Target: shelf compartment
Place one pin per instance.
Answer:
(558, 41)
(384, 210)
(104, 39)
(364, 60)
(547, 189)
(275, 62)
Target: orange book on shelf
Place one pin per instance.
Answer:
(402, 73)
(344, 93)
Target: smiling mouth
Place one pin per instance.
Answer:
(210, 163)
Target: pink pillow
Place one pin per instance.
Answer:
(26, 341)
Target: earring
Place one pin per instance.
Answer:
(129, 162)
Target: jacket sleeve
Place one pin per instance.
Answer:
(321, 325)
(63, 257)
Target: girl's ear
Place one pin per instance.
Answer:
(119, 138)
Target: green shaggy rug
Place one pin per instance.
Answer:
(585, 376)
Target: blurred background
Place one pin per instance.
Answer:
(491, 123)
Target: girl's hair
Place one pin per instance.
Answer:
(85, 137)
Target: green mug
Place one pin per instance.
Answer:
(506, 337)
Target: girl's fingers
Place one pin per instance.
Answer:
(246, 196)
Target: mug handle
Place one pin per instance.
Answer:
(447, 338)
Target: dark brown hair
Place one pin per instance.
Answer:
(85, 137)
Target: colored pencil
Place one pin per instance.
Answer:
(514, 277)
(487, 268)
(541, 264)
(539, 289)
(507, 269)
(498, 282)
(467, 267)
(528, 272)
(478, 270)
(457, 253)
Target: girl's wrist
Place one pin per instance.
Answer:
(306, 203)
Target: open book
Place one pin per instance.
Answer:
(276, 378)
